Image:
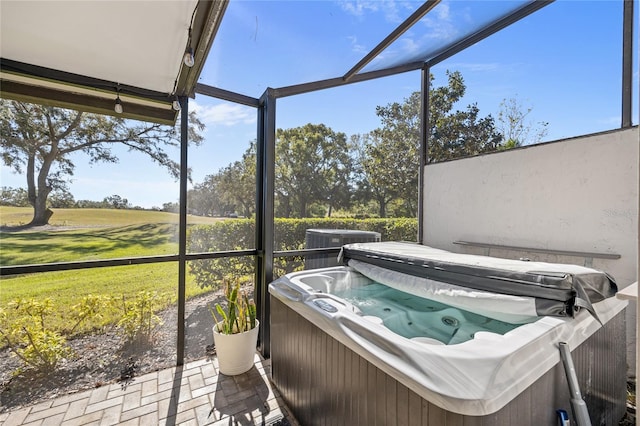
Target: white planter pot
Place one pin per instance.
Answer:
(235, 351)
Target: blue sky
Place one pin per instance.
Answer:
(563, 61)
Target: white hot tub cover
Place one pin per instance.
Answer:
(546, 288)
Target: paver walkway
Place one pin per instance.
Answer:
(193, 394)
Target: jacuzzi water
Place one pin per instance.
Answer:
(415, 317)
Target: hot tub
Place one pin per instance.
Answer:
(356, 346)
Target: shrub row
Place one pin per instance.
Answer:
(289, 234)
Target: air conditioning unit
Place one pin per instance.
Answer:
(322, 238)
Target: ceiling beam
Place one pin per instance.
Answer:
(52, 75)
(313, 86)
(206, 23)
(163, 114)
(227, 95)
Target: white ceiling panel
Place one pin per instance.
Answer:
(83, 54)
(137, 43)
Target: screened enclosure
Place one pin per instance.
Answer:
(159, 86)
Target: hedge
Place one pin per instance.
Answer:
(289, 234)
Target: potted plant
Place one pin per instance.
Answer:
(235, 333)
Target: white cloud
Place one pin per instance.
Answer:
(439, 23)
(355, 46)
(443, 12)
(358, 7)
(389, 8)
(410, 46)
(225, 114)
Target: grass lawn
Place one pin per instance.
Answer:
(88, 234)
(67, 288)
(18, 216)
(25, 248)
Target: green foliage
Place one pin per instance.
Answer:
(237, 234)
(139, 320)
(460, 133)
(289, 235)
(390, 154)
(61, 198)
(231, 190)
(312, 165)
(67, 288)
(390, 170)
(44, 349)
(206, 198)
(317, 170)
(25, 329)
(90, 307)
(241, 312)
(237, 185)
(16, 197)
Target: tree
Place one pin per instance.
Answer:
(381, 182)
(171, 207)
(39, 141)
(238, 183)
(204, 199)
(61, 198)
(89, 204)
(231, 189)
(312, 166)
(464, 133)
(455, 134)
(391, 159)
(515, 126)
(116, 202)
(16, 197)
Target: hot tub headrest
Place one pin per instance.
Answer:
(572, 286)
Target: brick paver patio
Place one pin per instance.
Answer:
(193, 394)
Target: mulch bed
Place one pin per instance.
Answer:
(101, 359)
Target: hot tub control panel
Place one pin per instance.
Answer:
(325, 306)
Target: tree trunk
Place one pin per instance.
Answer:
(412, 211)
(38, 196)
(31, 180)
(41, 216)
(304, 204)
(382, 210)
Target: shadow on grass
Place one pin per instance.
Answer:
(64, 245)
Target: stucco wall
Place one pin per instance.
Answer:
(578, 194)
